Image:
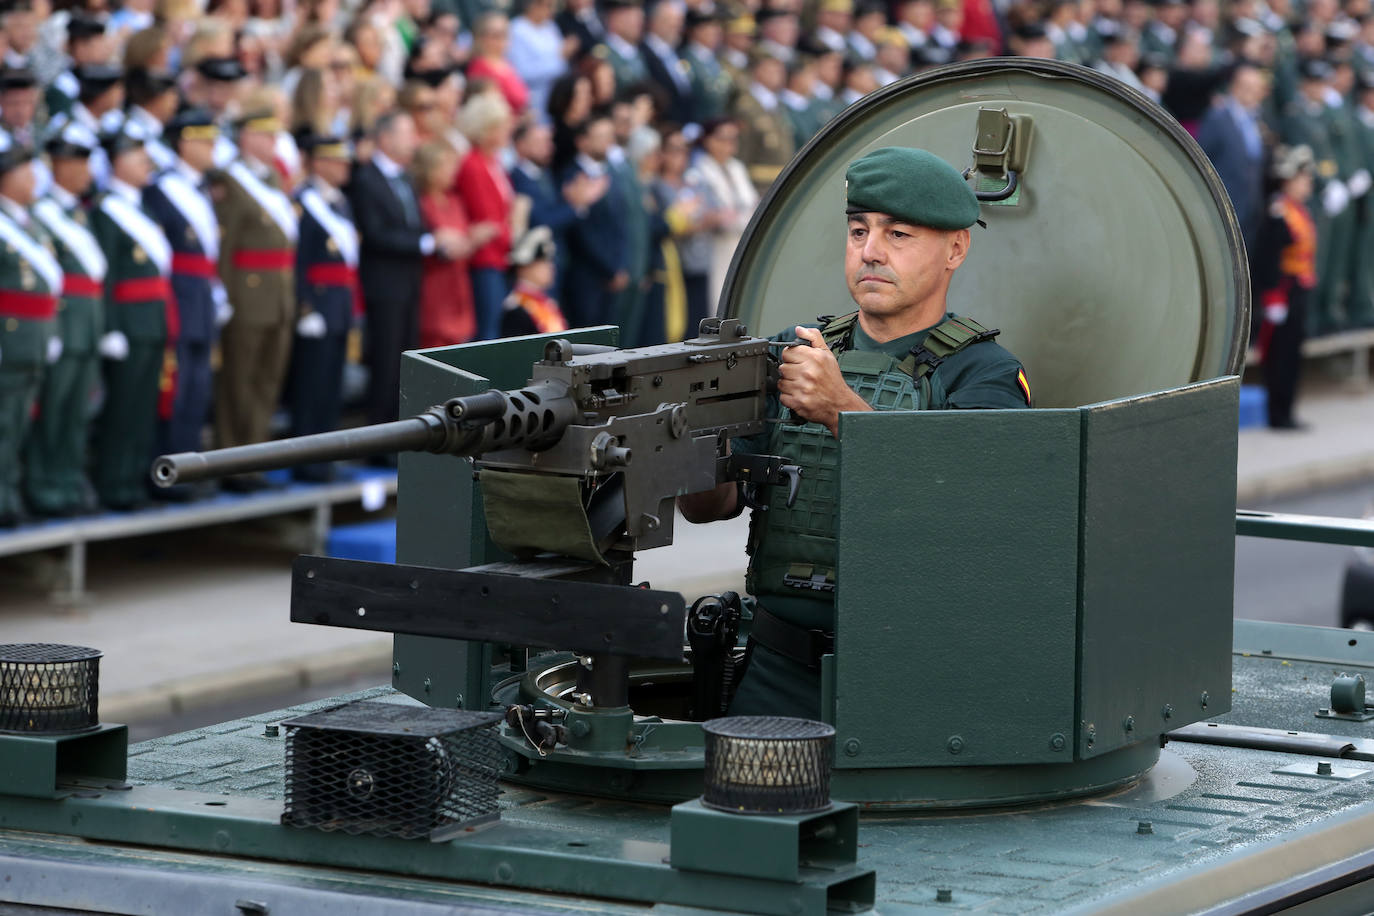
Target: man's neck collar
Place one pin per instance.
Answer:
(886, 329)
(125, 190)
(65, 199)
(14, 210)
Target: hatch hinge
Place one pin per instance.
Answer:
(1001, 146)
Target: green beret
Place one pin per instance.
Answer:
(913, 185)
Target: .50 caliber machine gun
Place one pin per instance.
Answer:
(579, 468)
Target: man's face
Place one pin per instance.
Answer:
(892, 266)
(333, 171)
(1249, 87)
(626, 22)
(73, 175)
(93, 50)
(597, 139)
(18, 184)
(771, 73)
(667, 23)
(536, 145)
(21, 27)
(199, 154)
(398, 143)
(133, 167)
(17, 107)
(219, 94)
(258, 144)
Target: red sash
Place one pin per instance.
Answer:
(192, 265)
(77, 285)
(337, 273)
(265, 259)
(34, 306)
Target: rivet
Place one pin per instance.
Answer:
(955, 744)
(944, 895)
(1058, 742)
(271, 731)
(1144, 827)
(1323, 768)
(852, 747)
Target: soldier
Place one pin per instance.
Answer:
(711, 85)
(1306, 123)
(1361, 306)
(734, 54)
(765, 135)
(257, 265)
(802, 107)
(327, 293)
(139, 316)
(178, 200)
(215, 85)
(19, 105)
(96, 108)
(153, 100)
(1337, 264)
(30, 282)
(909, 214)
(55, 481)
(834, 19)
(624, 28)
(86, 45)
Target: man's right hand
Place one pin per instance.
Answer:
(114, 345)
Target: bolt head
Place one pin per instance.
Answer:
(955, 744)
(1058, 742)
(852, 747)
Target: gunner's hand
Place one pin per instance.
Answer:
(811, 384)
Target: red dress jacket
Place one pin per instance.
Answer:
(447, 315)
(486, 193)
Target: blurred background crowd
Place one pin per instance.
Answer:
(209, 207)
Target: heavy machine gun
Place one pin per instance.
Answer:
(579, 468)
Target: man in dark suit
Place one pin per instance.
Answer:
(531, 178)
(579, 20)
(669, 71)
(394, 243)
(1230, 135)
(598, 251)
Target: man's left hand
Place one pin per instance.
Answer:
(811, 383)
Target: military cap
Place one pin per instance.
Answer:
(702, 15)
(870, 7)
(1290, 161)
(1315, 70)
(17, 78)
(97, 78)
(122, 137)
(149, 84)
(1341, 31)
(72, 141)
(770, 12)
(80, 27)
(743, 24)
(1031, 31)
(221, 69)
(433, 77)
(535, 245)
(325, 146)
(619, 4)
(889, 35)
(837, 6)
(913, 185)
(264, 120)
(191, 124)
(12, 155)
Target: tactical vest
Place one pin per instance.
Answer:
(792, 550)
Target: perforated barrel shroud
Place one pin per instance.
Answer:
(392, 770)
(767, 764)
(47, 688)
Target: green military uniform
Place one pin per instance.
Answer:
(803, 115)
(55, 481)
(257, 266)
(30, 281)
(137, 294)
(1306, 123)
(630, 300)
(712, 87)
(765, 141)
(625, 61)
(1333, 285)
(793, 550)
(61, 95)
(953, 365)
(1361, 302)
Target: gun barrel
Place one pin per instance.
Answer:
(415, 434)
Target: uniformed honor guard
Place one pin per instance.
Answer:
(327, 293)
(257, 260)
(152, 101)
(180, 203)
(712, 87)
(909, 214)
(765, 142)
(30, 282)
(140, 318)
(19, 104)
(97, 108)
(86, 44)
(624, 28)
(55, 481)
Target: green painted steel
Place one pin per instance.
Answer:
(1119, 270)
(1157, 563)
(33, 764)
(1354, 532)
(778, 847)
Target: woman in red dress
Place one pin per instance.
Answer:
(490, 39)
(487, 196)
(447, 315)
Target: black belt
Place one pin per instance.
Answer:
(803, 646)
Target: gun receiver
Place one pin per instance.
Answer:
(651, 422)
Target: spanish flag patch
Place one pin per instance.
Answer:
(1025, 385)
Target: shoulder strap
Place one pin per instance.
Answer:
(944, 340)
(836, 331)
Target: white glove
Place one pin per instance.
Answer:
(54, 349)
(311, 325)
(114, 345)
(1334, 198)
(1276, 313)
(223, 312)
(1359, 183)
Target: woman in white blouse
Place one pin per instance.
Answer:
(730, 196)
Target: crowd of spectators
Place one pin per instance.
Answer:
(627, 145)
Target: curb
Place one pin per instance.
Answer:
(1301, 479)
(188, 694)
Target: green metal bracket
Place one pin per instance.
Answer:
(34, 765)
(1318, 529)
